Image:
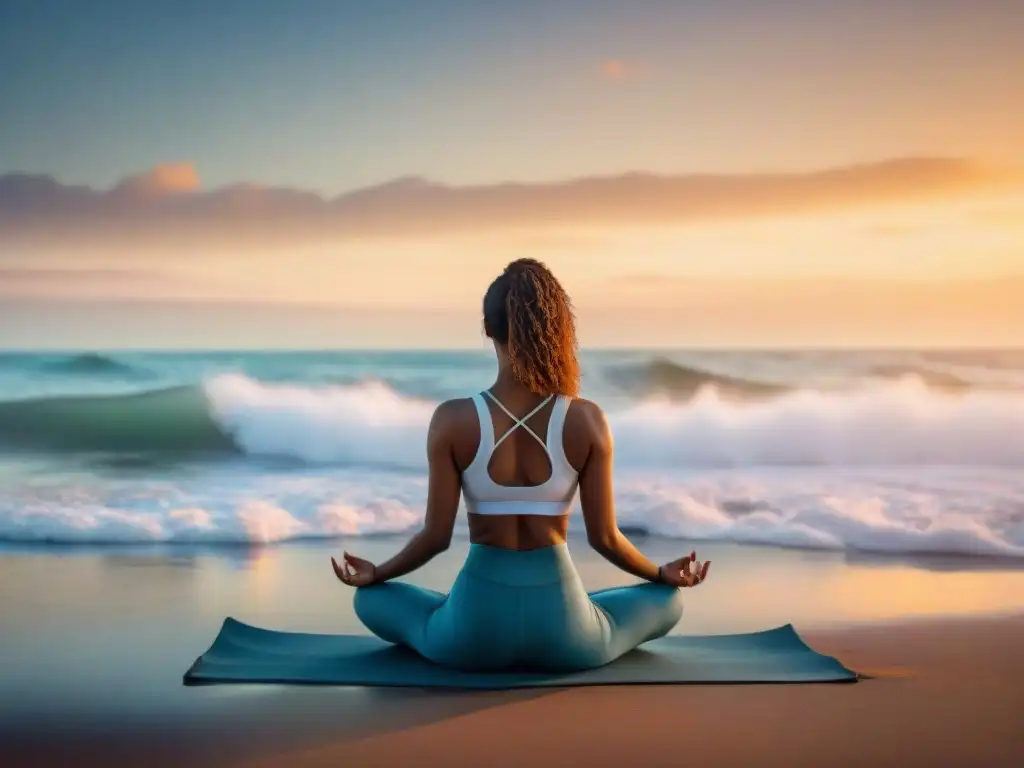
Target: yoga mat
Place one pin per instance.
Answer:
(246, 654)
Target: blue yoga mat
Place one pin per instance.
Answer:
(246, 654)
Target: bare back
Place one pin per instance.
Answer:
(521, 460)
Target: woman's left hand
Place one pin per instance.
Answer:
(685, 572)
(355, 572)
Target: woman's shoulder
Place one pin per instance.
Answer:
(585, 433)
(451, 426)
(584, 408)
(586, 417)
(455, 410)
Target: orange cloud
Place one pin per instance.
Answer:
(164, 178)
(618, 70)
(147, 207)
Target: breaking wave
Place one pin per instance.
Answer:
(902, 422)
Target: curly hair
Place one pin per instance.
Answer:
(526, 309)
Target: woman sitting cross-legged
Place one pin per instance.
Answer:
(518, 451)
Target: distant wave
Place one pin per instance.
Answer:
(933, 379)
(82, 364)
(88, 362)
(661, 377)
(370, 424)
(992, 359)
(92, 364)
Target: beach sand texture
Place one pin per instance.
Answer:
(941, 692)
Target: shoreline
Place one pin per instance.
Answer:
(931, 559)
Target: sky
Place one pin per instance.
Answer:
(240, 160)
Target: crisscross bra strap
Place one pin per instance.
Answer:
(517, 422)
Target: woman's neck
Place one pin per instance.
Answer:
(508, 388)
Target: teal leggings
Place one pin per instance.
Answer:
(519, 610)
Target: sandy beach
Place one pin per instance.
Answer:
(940, 693)
(94, 643)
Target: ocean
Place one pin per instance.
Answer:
(874, 452)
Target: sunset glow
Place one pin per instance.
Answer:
(716, 174)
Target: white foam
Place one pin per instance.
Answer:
(363, 424)
(897, 423)
(975, 511)
(894, 468)
(939, 509)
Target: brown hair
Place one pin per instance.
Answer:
(526, 309)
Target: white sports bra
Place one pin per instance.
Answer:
(553, 497)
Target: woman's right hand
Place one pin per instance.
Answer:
(685, 572)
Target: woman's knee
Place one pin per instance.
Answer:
(371, 606)
(669, 600)
(363, 597)
(396, 612)
(676, 606)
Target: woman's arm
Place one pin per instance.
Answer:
(443, 493)
(598, 502)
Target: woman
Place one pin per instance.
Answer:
(518, 601)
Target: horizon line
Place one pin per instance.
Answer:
(729, 348)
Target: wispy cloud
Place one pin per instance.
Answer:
(142, 211)
(94, 282)
(893, 229)
(11, 276)
(1004, 216)
(815, 312)
(552, 241)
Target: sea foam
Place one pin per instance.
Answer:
(970, 511)
(890, 467)
(895, 423)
